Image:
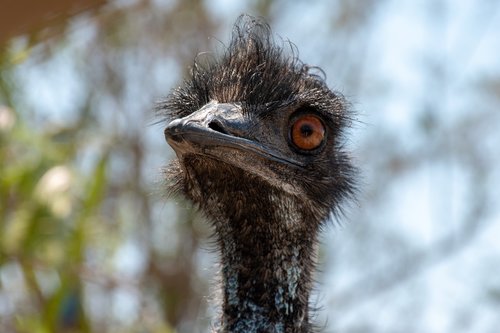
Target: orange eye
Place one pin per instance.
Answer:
(307, 132)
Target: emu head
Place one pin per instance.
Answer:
(258, 116)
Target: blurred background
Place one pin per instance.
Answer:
(89, 243)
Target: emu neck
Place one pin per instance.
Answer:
(266, 278)
(267, 241)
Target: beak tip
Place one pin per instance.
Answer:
(172, 130)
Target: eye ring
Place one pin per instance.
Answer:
(307, 132)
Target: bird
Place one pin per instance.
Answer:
(260, 144)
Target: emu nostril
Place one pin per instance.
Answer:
(216, 126)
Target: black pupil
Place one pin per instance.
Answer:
(306, 130)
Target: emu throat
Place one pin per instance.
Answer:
(266, 241)
(265, 288)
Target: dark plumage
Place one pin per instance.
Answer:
(258, 139)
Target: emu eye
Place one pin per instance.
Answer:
(307, 132)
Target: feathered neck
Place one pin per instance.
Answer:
(266, 276)
(266, 240)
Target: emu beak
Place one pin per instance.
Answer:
(216, 127)
(212, 118)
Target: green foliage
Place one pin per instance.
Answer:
(63, 218)
(45, 218)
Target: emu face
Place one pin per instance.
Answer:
(265, 113)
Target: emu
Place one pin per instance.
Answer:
(259, 139)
